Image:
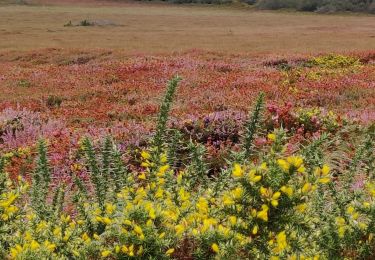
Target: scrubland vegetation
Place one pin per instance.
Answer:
(277, 182)
(323, 6)
(191, 154)
(320, 5)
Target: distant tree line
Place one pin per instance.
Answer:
(324, 6)
(318, 5)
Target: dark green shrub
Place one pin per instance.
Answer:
(24, 83)
(276, 4)
(309, 5)
(85, 23)
(54, 101)
(324, 6)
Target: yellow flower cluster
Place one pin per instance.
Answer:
(157, 213)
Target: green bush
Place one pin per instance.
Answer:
(319, 5)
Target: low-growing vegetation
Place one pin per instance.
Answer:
(263, 155)
(324, 6)
(293, 188)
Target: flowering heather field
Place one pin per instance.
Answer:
(240, 157)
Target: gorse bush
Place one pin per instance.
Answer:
(266, 203)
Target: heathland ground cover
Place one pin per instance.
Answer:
(195, 154)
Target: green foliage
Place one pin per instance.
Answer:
(161, 127)
(252, 125)
(96, 174)
(40, 182)
(85, 23)
(197, 170)
(54, 101)
(24, 83)
(318, 5)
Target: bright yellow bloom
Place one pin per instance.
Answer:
(6, 203)
(263, 166)
(169, 251)
(233, 220)
(145, 164)
(145, 155)
(255, 230)
(284, 165)
(274, 203)
(50, 246)
(163, 158)
(202, 205)
(276, 195)
(85, 236)
(307, 187)
(138, 230)
(179, 229)
(237, 171)
(227, 200)
(124, 249)
(322, 174)
(325, 170)
(301, 207)
(34, 245)
(142, 176)
(281, 242)
(253, 178)
(350, 210)
(237, 192)
(287, 190)
(263, 214)
(152, 213)
(15, 251)
(215, 248)
(295, 161)
(271, 137)
(162, 170)
(106, 253)
(106, 220)
(110, 208)
(324, 180)
(264, 192)
(184, 195)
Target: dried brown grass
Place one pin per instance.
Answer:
(164, 28)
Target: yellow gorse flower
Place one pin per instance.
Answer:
(287, 190)
(253, 178)
(145, 155)
(169, 251)
(237, 171)
(281, 243)
(215, 248)
(106, 253)
(263, 214)
(323, 174)
(271, 137)
(284, 165)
